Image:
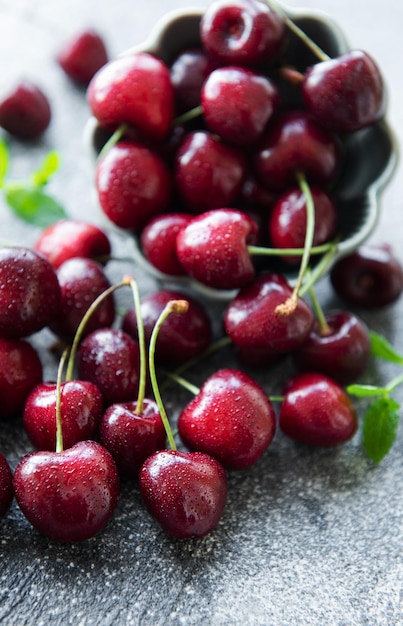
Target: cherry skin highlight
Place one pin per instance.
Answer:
(158, 242)
(20, 371)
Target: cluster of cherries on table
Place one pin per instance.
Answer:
(69, 488)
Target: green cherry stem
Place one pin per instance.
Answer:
(261, 251)
(113, 139)
(319, 314)
(142, 347)
(173, 306)
(188, 115)
(59, 431)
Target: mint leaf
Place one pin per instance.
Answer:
(33, 205)
(380, 347)
(49, 166)
(380, 427)
(366, 391)
(4, 160)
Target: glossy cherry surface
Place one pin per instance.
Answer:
(188, 72)
(20, 371)
(25, 111)
(82, 55)
(158, 242)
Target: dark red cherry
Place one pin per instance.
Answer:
(188, 71)
(132, 436)
(70, 495)
(294, 143)
(133, 184)
(185, 492)
(6, 486)
(238, 103)
(119, 93)
(158, 242)
(370, 277)
(110, 358)
(69, 238)
(20, 372)
(81, 281)
(242, 32)
(252, 321)
(342, 351)
(25, 111)
(213, 248)
(81, 412)
(345, 93)
(231, 419)
(317, 411)
(288, 218)
(29, 292)
(82, 56)
(182, 336)
(208, 173)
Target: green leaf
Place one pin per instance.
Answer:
(33, 205)
(380, 427)
(366, 391)
(49, 166)
(4, 160)
(380, 347)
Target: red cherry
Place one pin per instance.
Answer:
(25, 111)
(188, 71)
(81, 410)
(344, 94)
(158, 242)
(231, 419)
(6, 486)
(82, 56)
(185, 492)
(133, 184)
(119, 93)
(213, 248)
(70, 495)
(131, 437)
(67, 239)
(20, 372)
(316, 411)
(251, 320)
(29, 292)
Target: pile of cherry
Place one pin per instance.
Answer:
(215, 111)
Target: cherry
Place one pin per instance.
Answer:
(295, 143)
(316, 411)
(369, 277)
(230, 418)
(185, 492)
(20, 372)
(252, 319)
(208, 173)
(68, 495)
(213, 248)
(109, 358)
(183, 336)
(188, 72)
(25, 111)
(81, 408)
(119, 93)
(29, 292)
(341, 350)
(82, 56)
(242, 32)
(6, 486)
(238, 103)
(81, 280)
(287, 220)
(70, 238)
(158, 242)
(344, 94)
(133, 184)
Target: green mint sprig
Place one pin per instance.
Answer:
(27, 198)
(381, 418)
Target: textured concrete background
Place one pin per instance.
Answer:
(309, 537)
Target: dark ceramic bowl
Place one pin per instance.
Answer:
(371, 154)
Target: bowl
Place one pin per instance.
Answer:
(371, 154)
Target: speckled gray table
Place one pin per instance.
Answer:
(309, 537)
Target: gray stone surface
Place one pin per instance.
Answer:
(309, 537)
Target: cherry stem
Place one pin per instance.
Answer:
(113, 139)
(173, 306)
(183, 382)
(290, 304)
(324, 327)
(188, 115)
(318, 271)
(142, 346)
(261, 251)
(59, 431)
(317, 50)
(80, 329)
